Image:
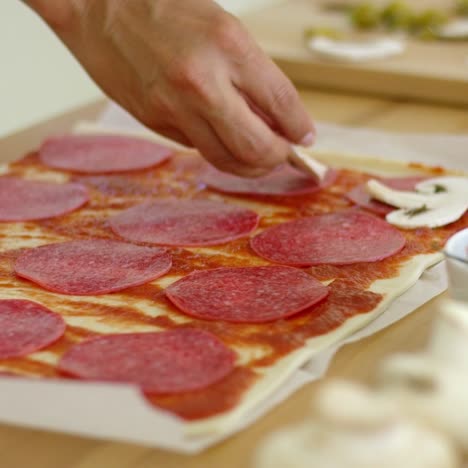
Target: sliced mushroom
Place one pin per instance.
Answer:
(437, 202)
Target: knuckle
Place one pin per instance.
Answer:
(230, 35)
(184, 73)
(188, 76)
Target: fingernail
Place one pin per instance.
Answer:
(308, 140)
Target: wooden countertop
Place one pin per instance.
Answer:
(39, 449)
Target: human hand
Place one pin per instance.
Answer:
(190, 71)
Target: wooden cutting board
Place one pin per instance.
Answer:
(432, 71)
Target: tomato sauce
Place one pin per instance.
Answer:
(110, 194)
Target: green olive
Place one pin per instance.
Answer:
(323, 32)
(428, 20)
(462, 7)
(365, 16)
(397, 15)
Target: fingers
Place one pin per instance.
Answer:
(244, 134)
(272, 92)
(174, 135)
(205, 139)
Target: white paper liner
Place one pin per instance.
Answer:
(118, 412)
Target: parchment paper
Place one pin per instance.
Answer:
(118, 412)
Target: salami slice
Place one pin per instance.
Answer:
(185, 222)
(28, 200)
(359, 195)
(174, 361)
(250, 295)
(336, 239)
(284, 180)
(94, 266)
(101, 153)
(26, 327)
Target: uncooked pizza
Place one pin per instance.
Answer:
(125, 261)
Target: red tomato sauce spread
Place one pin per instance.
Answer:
(177, 178)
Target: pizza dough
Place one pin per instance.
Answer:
(185, 222)
(174, 361)
(26, 327)
(251, 294)
(28, 200)
(361, 197)
(263, 364)
(284, 180)
(101, 153)
(340, 238)
(89, 267)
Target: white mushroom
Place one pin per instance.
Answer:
(453, 185)
(403, 198)
(437, 202)
(431, 391)
(356, 428)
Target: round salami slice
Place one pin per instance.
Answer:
(249, 295)
(94, 266)
(284, 180)
(359, 195)
(101, 153)
(336, 239)
(26, 327)
(174, 361)
(185, 222)
(29, 200)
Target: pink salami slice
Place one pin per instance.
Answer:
(185, 222)
(250, 295)
(95, 266)
(284, 180)
(174, 361)
(359, 195)
(29, 200)
(26, 327)
(337, 239)
(101, 153)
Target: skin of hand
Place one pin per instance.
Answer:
(189, 70)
